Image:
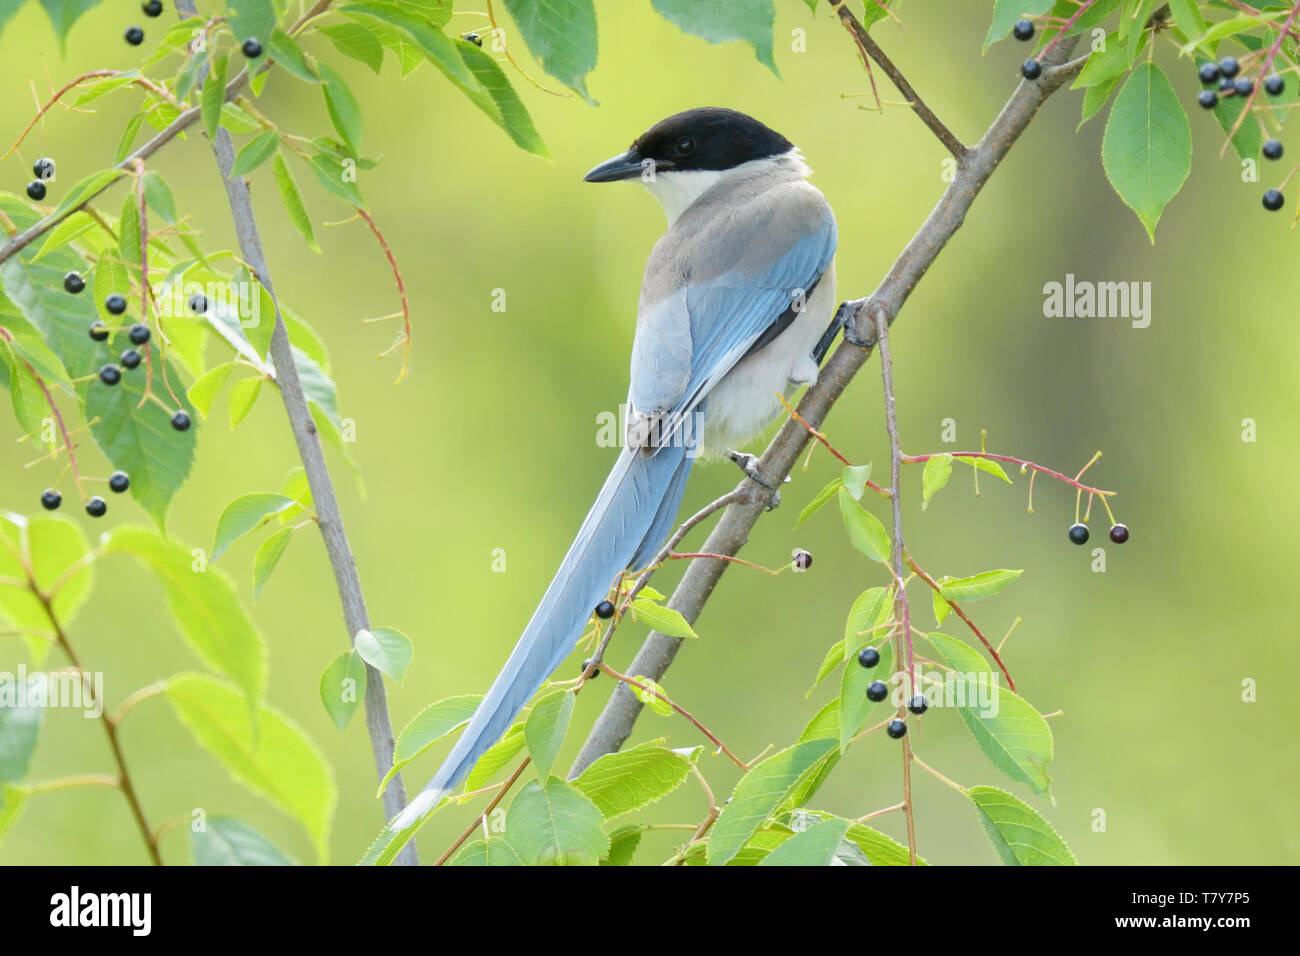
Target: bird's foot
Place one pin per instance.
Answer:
(749, 465)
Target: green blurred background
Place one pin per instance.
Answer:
(490, 442)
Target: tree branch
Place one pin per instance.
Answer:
(329, 516)
(974, 168)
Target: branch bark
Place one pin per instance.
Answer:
(974, 167)
(329, 515)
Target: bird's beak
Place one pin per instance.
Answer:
(625, 166)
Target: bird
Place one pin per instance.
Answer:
(732, 315)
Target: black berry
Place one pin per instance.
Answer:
(98, 331)
(72, 282)
(1031, 69)
(877, 691)
(130, 358)
(43, 168)
(152, 8)
(474, 38)
(139, 334)
(1079, 533)
(1273, 200)
(605, 610)
(1274, 85)
(1273, 149)
(134, 36)
(594, 674)
(252, 49)
(119, 481)
(51, 499)
(36, 190)
(1209, 72)
(868, 657)
(802, 560)
(1228, 66)
(110, 375)
(96, 507)
(1243, 85)
(115, 304)
(1227, 87)
(918, 704)
(1119, 533)
(896, 728)
(198, 303)
(1023, 30)
(181, 422)
(1208, 98)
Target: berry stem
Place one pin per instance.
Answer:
(1021, 462)
(1265, 66)
(404, 342)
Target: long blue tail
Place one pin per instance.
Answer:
(629, 522)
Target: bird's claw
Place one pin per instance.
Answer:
(749, 465)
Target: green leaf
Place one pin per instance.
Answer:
(343, 108)
(545, 729)
(855, 479)
(986, 465)
(286, 52)
(1012, 734)
(435, 45)
(85, 188)
(127, 140)
(255, 153)
(1248, 140)
(855, 707)
(205, 606)
(880, 849)
(245, 515)
(977, 585)
(496, 757)
(212, 96)
(872, 608)
(52, 545)
(343, 688)
(622, 844)
(267, 557)
(159, 196)
(273, 758)
(292, 201)
(225, 841)
(128, 232)
(205, 388)
(495, 852)
(494, 95)
(250, 19)
(20, 724)
(1019, 835)
(552, 823)
(139, 439)
(941, 607)
(823, 496)
(866, 532)
(935, 476)
(1095, 97)
(74, 226)
(748, 20)
(815, 846)
(1147, 147)
(662, 619)
(652, 695)
(428, 727)
(561, 35)
(1187, 15)
(330, 173)
(630, 779)
(243, 396)
(385, 649)
(64, 13)
(12, 801)
(237, 121)
(758, 793)
(355, 41)
(1007, 12)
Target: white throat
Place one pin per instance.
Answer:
(677, 190)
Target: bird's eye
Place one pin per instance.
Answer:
(684, 146)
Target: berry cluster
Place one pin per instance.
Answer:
(1222, 80)
(878, 690)
(1031, 69)
(96, 507)
(42, 169)
(1079, 533)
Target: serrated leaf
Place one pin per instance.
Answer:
(344, 110)
(494, 852)
(936, 474)
(355, 41)
(855, 479)
(267, 557)
(204, 605)
(85, 188)
(622, 844)
(330, 173)
(497, 756)
(159, 196)
(553, 824)
(343, 688)
(291, 198)
(652, 695)
(1019, 835)
(561, 35)
(273, 759)
(630, 779)
(428, 727)
(225, 841)
(53, 545)
(286, 52)
(823, 496)
(257, 151)
(494, 95)
(662, 619)
(545, 728)
(977, 585)
(748, 20)
(245, 515)
(758, 793)
(815, 846)
(1147, 148)
(385, 649)
(986, 465)
(866, 532)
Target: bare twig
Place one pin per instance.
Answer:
(616, 721)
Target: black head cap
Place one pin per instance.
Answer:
(706, 138)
